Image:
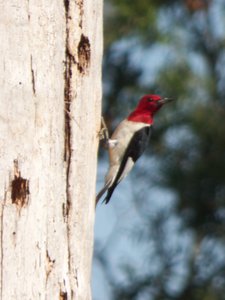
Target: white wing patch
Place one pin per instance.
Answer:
(112, 143)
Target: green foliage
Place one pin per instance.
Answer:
(200, 178)
(189, 145)
(122, 17)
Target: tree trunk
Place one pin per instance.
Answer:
(50, 87)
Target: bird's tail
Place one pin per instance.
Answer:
(109, 193)
(101, 192)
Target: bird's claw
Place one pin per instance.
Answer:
(104, 136)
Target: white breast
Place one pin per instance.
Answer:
(123, 134)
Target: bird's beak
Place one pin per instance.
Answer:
(165, 100)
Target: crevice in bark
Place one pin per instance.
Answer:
(84, 54)
(20, 188)
(32, 76)
(80, 4)
(67, 104)
(28, 10)
(63, 295)
(76, 277)
(69, 61)
(64, 211)
(49, 264)
(66, 4)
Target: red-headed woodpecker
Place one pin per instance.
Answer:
(129, 141)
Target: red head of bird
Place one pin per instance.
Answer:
(147, 107)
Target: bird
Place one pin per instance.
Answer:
(129, 141)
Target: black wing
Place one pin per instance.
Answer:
(135, 149)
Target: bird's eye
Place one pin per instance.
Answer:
(150, 99)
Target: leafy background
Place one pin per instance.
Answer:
(162, 236)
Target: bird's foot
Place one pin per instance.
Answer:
(104, 133)
(104, 136)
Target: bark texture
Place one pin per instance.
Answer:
(50, 95)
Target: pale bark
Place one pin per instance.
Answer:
(50, 95)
